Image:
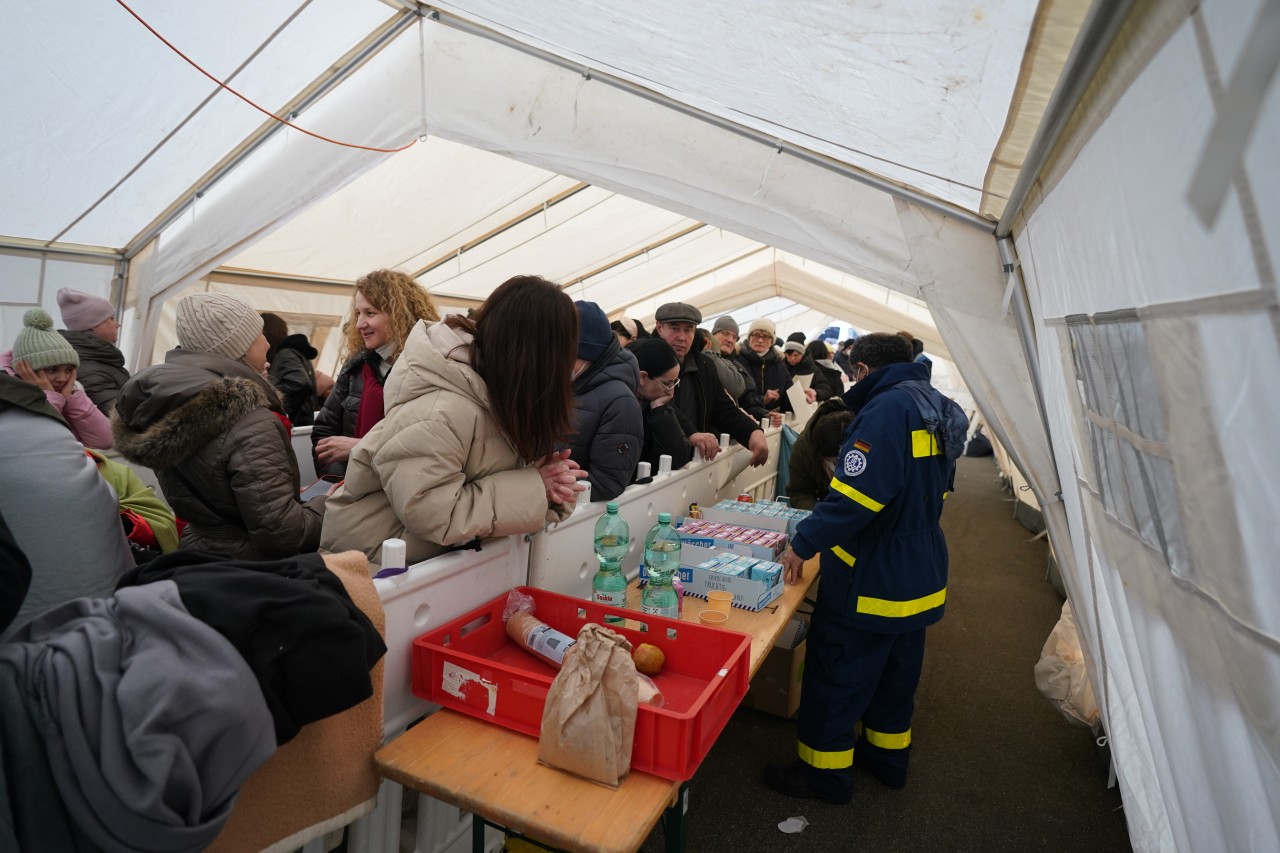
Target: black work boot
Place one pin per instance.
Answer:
(793, 780)
(885, 773)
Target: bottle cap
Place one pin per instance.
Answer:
(611, 506)
(664, 518)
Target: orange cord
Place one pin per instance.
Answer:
(169, 45)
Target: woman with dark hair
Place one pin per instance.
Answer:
(474, 412)
(290, 369)
(385, 307)
(821, 355)
(659, 376)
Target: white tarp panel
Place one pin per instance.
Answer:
(819, 74)
(98, 114)
(1158, 338)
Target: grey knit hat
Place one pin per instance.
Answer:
(214, 322)
(725, 324)
(39, 345)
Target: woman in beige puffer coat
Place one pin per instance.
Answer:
(473, 412)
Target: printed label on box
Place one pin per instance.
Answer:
(469, 687)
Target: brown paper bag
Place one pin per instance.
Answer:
(589, 722)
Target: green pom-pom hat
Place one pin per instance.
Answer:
(39, 345)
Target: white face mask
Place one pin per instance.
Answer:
(829, 465)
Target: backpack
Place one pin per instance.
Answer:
(979, 445)
(943, 417)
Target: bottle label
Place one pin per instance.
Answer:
(617, 598)
(669, 612)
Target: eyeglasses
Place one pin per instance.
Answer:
(669, 384)
(761, 336)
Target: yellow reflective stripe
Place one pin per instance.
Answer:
(884, 607)
(944, 495)
(923, 444)
(844, 555)
(825, 760)
(854, 495)
(887, 741)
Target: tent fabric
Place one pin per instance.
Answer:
(845, 161)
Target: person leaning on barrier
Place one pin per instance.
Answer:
(813, 457)
(475, 409)
(608, 429)
(884, 580)
(210, 424)
(659, 377)
(705, 407)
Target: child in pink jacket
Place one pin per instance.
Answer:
(43, 357)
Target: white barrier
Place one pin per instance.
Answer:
(301, 442)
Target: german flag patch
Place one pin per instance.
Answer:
(861, 445)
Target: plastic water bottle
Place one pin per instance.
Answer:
(612, 539)
(662, 562)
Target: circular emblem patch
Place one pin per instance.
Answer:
(854, 463)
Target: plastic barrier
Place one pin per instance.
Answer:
(301, 441)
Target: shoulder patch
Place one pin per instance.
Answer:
(854, 463)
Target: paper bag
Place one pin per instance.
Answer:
(589, 722)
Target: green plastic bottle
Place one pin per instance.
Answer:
(662, 562)
(612, 539)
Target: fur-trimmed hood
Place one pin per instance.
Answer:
(169, 411)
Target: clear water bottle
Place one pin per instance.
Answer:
(662, 562)
(612, 538)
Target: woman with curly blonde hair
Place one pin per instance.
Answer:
(384, 309)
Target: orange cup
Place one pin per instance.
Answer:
(719, 600)
(713, 617)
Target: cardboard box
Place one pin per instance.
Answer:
(697, 544)
(747, 594)
(765, 515)
(776, 686)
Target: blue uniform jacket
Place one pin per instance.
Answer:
(884, 559)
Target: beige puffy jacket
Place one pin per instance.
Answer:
(437, 471)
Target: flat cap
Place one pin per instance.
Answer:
(678, 312)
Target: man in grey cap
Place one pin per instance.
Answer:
(704, 406)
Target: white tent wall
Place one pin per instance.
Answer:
(1158, 342)
(32, 280)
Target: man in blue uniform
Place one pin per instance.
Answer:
(884, 579)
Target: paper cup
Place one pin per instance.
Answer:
(719, 601)
(642, 470)
(713, 617)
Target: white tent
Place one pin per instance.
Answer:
(1071, 201)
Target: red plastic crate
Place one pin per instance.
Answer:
(494, 679)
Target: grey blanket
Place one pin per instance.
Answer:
(152, 719)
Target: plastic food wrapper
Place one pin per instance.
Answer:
(1061, 676)
(793, 824)
(546, 643)
(589, 720)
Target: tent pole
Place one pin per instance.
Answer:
(812, 157)
(1095, 39)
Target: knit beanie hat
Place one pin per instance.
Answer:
(594, 333)
(214, 322)
(793, 346)
(725, 324)
(762, 324)
(39, 345)
(798, 337)
(82, 311)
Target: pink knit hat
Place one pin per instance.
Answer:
(83, 311)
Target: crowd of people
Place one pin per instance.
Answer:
(444, 432)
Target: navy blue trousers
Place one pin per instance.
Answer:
(854, 677)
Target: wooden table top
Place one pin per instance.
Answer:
(494, 772)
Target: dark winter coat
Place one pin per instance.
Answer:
(808, 479)
(294, 376)
(341, 408)
(884, 558)
(663, 435)
(101, 373)
(704, 406)
(842, 361)
(806, 367)
(834, 378)
(608, 427)
(207, 426)
(769, 373)
(739, 385)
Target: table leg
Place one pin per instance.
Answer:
(477, 833)
(675, 820)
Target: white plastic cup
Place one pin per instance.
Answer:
(764, 422)
(724, 441)
(643, 469)
(584, 496)
(664, 463)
